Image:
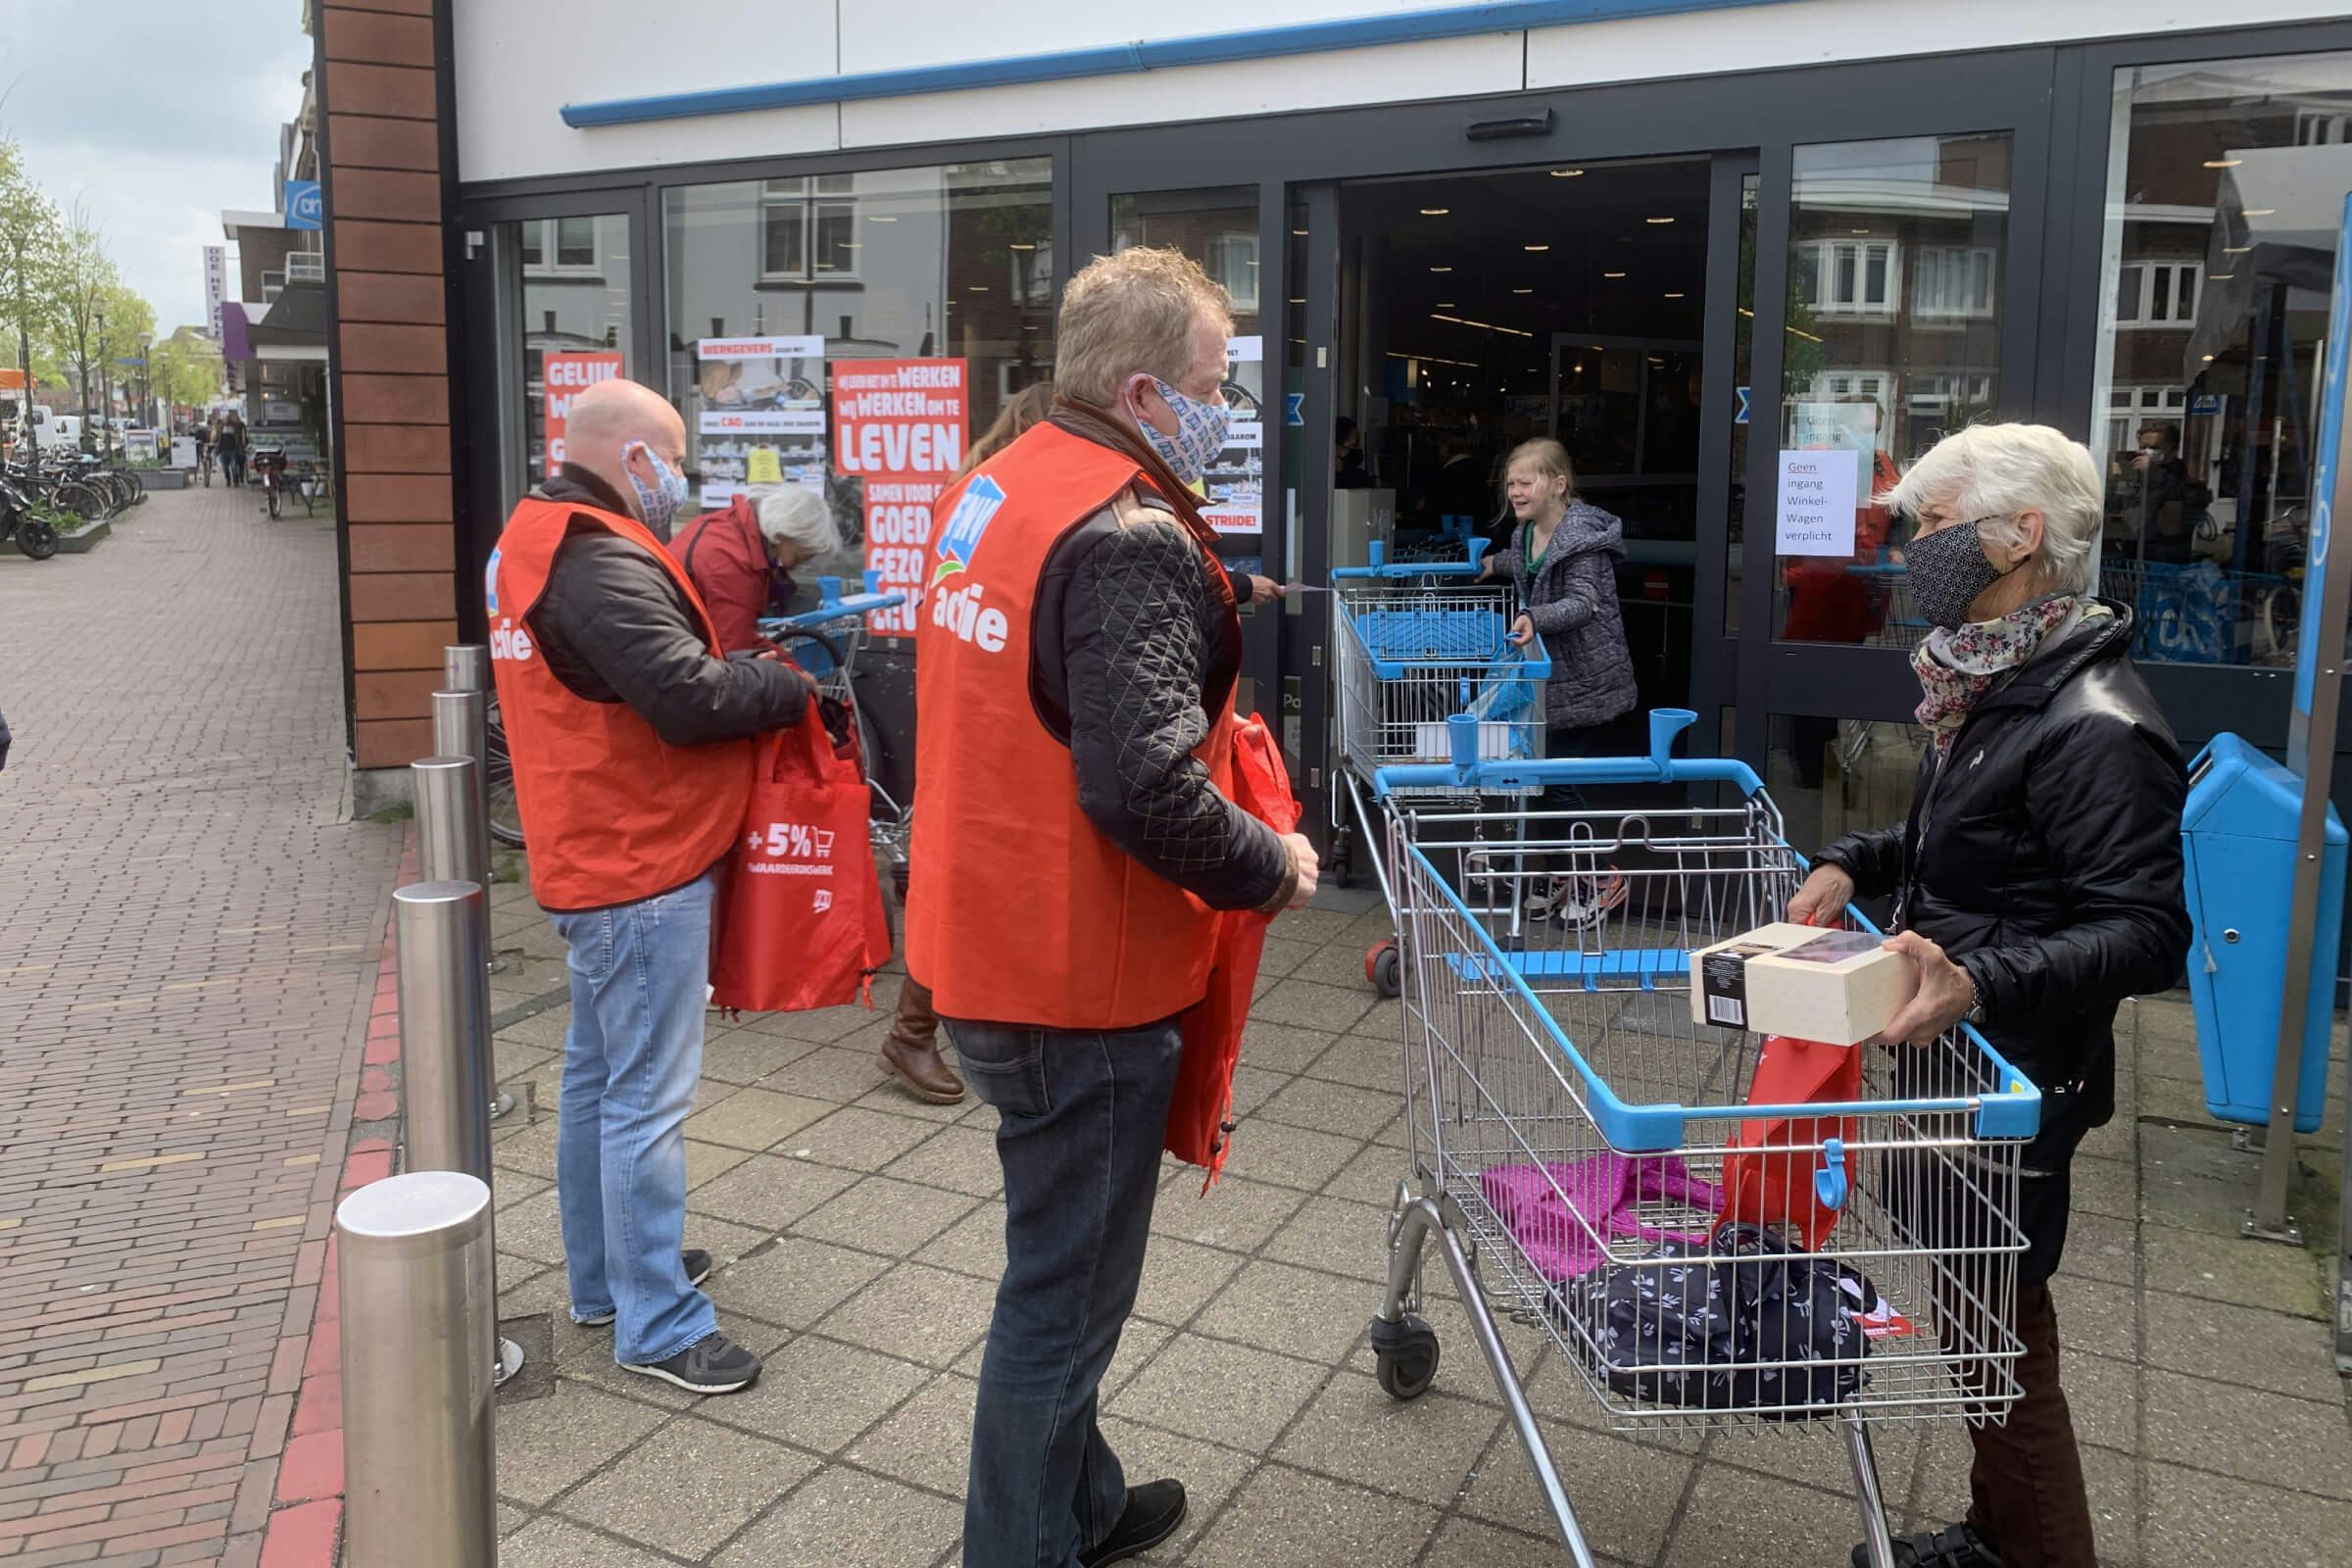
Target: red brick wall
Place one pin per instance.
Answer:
(387, 195)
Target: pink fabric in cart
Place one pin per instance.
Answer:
(1563, 1215)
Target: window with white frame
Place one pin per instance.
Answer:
(808, 228)
(1232, 260)
(1033, 272)
(273, 285)
(2131, 407)
(1847, 384)
(2321, 127)
(2157, 294)
(1942, 394)
(1850, 277)
(1953, 280)
(552, 245)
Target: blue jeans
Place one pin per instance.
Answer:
(1081, 1119)
(631, 1058)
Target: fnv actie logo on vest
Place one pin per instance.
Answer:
(507, 641)
(965, 524)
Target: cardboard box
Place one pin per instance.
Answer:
(1840, 987)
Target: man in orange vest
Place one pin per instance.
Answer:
(631, 738)
(1076, 659)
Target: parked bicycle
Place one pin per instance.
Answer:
(25, 522)
(270, 468)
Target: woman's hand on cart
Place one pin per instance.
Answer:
(1821, 900)
(1945, 997)
(1523, 632)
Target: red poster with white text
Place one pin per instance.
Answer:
(566, 376)
(900, 427)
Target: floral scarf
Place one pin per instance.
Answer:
(1956, 669)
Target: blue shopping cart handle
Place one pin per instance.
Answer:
(1467, 772)
(1382, 567)
(833, 606)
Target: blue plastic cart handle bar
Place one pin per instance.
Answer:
(1660, 766)
(2014, 1113)
(1384, 567)
(832, 605)
(1530, 663)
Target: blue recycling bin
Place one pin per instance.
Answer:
(2238, 835)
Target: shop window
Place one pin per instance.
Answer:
(552, 245)
(1878, 367)
(1232, 260)
(274, 283)
(2156, 294)
(808, 228)
(2213, 313)
(1953, 280)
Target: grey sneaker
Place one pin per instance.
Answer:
(698, 1269)
(712, 1364)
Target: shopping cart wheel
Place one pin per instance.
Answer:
(1406, 1353)
(1381, 966)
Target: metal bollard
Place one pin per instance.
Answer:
(465, 667)
(419, 1293)
(460, 728)
(442, 927)
(449, 820)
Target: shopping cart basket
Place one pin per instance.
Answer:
(1573, 1129)
(2192, 613)
(826, 642)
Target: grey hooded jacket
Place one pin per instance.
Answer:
(1573, 603)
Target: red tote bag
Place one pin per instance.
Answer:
(1201, 1115)
(802, 924)
(1769, 1180)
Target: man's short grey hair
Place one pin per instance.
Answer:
(1132, 313)
(1994, 471)
(802, 517)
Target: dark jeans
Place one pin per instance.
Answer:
(2026, 1494)
(1080, 1120)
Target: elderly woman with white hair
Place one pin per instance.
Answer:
(741, 558)
(2036, 883)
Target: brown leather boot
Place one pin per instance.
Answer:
(911, 1051)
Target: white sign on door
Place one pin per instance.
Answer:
(1816, 511)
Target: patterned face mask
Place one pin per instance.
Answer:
(1200, 432)
(659, 506)
(1947, 569)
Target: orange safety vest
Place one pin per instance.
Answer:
(1020, 910)
(614, 812)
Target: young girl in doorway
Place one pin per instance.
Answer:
(1562, 557)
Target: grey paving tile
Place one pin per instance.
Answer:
(1371, 1177)
(2251, 1349)
(846, 1519)
(858, 1140)
(1422, 1450)
(795, 1283)
(1139, 1342)
(834, 1073)
(1283, 1518)
(2104, 1397)
(546, 1444)
(526, 1146)
(754, 1118)
(962, 1159)
(1180, 1278)
(706, 1162)
(525, 1287)
(2101, 1248)
(888, 1097)
(1252, 1087)
(1312, 1007)
(2197, 1520)
(886, 1216)
(1734, 1515)
(817, 1393)
(1623, 1494)
(1313, 1316)
(1817, 1457)
(1340, 965)
(2194, 1179)
(1288, 1156)
(2096, 1315)
(974, 1245)
(1282, 955)
(767, 1189)
(532, 1228)
(688, 1486)
(747, 1056)
(1364, 1061)
(827, 1023)
(1281, 1048)
(929, 1441)
(1226, 1394)
(1322, 1107)
(1316, 926)
(1464, 1543)
(2109, 1186)
(2246, 1273)
(1236, 1214)
(923, 1315)
(2112, 1482)
(511, 1517)
(2303, 1444)
(1338, 1236)
(554, 1543)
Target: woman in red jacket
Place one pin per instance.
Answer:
(741, 558)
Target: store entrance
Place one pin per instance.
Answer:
(1477, 312)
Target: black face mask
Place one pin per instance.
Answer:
(1947, 569)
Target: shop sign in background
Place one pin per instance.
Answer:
(759, 414)
(899, 427)
(1235, 483)
(563, 377)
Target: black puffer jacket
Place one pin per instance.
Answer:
(2044, 857)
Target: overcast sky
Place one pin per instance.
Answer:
(156, 122)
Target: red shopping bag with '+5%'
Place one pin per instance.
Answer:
(800, 923)
(1200, 1114)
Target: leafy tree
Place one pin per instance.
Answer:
(85, 273)
(31, 245)
(123, 319)
(187, 368)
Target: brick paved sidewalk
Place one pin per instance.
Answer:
(188, 944)
(861, 1236)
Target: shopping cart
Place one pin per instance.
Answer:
(1894, 621)
(2190, 612)
(826, 642)
(1419, 643)
(1574, 1130)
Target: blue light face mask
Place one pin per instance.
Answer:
(1200, 430)
(657, 505)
